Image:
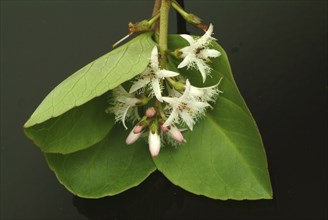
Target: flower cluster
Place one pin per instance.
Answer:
(166, 101)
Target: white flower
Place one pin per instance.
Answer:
(186, 107)
(198, 53)
(152, 76)
(206, 94)
(124, 103)
(154, 142)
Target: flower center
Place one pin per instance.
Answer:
(182, 106)
(152, 75)
(198, 50)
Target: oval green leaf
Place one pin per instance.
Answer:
(104, 169)
(77, 129)
(96, 78)
(224, 157)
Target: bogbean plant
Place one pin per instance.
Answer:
(174, 94)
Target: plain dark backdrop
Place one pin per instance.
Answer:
(278, 53)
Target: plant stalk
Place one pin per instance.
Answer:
(157, 6)
(179, 9)
(163, 31)
(156, 9)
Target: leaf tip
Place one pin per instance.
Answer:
(27, 123)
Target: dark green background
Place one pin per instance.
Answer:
(278, 54)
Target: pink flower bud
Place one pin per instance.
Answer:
(165, 129)
(132, 137)
(150, 112)
(138, 129)
(176, 134)
(154, 142)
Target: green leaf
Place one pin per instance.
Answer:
(77, 129)
(96, 78)
(224, 156)
(104, 169)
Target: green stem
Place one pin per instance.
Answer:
(163, 31)
(179, 9)
(190, 18)
(176, 84)
(156, 10)
(153, 19)
(157, 6)
(160, 110)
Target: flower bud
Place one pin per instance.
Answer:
(154, 142)
(132, 137)
(164, 128)
(138, 128)
(150, 112)
(176, 134)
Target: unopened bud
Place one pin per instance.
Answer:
(138, 128)
(176, 134)
(164, 128)
(132, 137)
(150, 112)
(154, 142)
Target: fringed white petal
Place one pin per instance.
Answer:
(185, 95)
(169, 100)
(124, 116)
(120, 91)
(196, 92)
(140, 83)
(186, 117)
(206, 38)
(154, 59)
(205, 53)
(202, 67)
(205, 94)
(155, 83)
(188, 38)
(198, 106)
(173, 116)
(185, 62)
(166, 73)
